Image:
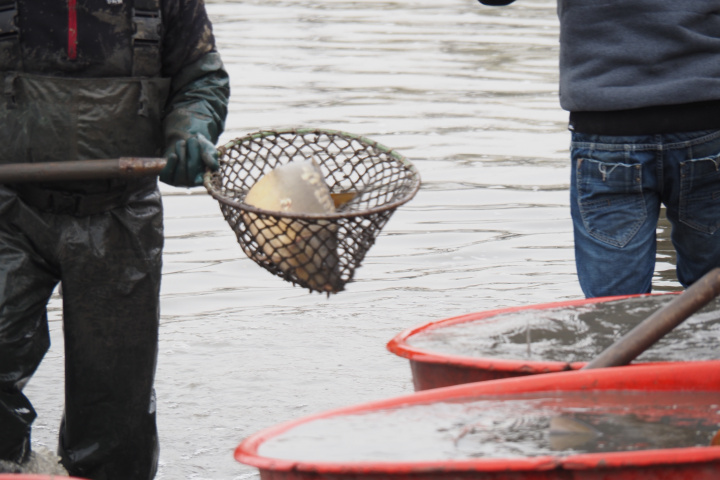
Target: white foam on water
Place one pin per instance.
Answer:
(42, 462)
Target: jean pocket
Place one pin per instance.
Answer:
(700, 194)
(610, 199)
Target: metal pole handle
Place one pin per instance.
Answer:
(123, 167)
(653, 328)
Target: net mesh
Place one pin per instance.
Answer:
(367, 182)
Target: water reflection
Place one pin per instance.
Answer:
(573, 333)
(510, 426)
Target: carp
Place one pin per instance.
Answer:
(625, 432)
(567, 433)
(305, 249)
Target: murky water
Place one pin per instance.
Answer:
(575, 334)
(505, 427)
(466, 92)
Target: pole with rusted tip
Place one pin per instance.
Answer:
(123, 167)
(567, 432)
(657, 325)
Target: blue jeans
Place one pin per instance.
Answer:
(617, 187)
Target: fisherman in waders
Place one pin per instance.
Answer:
(96, 79)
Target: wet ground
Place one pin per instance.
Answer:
(468, 94)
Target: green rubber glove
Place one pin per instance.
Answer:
(194, 119)
(187, 161)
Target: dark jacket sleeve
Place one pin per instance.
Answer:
(200, 87)
(496, 3)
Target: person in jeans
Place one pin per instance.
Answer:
(641, 80)
(96, 79)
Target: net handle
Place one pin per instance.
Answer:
(124, 167)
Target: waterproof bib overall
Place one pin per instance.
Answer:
(102, 239)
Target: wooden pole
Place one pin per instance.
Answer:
(124, 167)
(657, 325)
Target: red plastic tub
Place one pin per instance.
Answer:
(644, 382)
(433, 368)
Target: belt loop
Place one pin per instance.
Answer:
(143, 101)
(10, 54)
(9, 90)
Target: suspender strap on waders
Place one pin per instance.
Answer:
(146, 39)
(10, 58)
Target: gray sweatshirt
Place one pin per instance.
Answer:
(625, 54)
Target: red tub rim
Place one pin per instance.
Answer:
(676, 376)
(399, 346)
